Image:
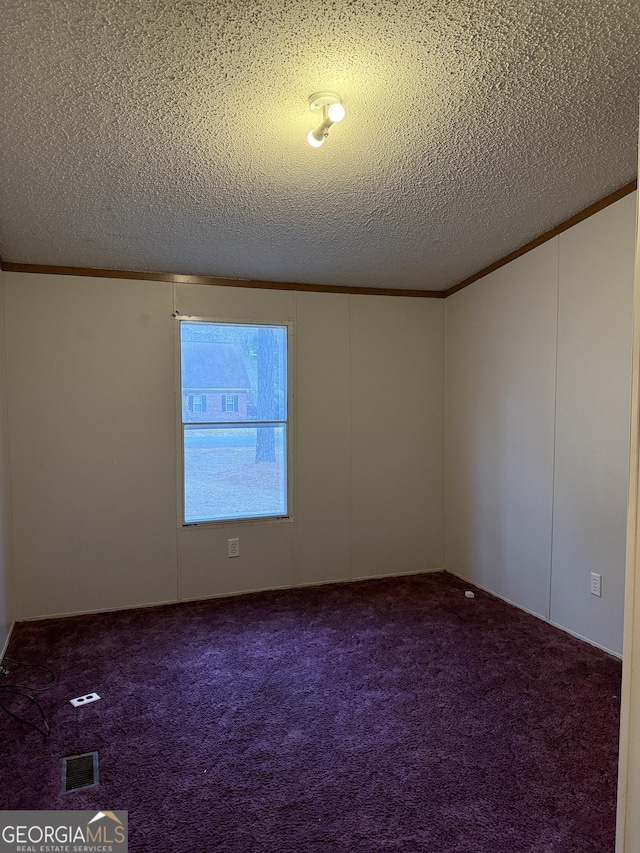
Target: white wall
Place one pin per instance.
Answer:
(397, 434)
(92, 424)
(538, 366)
(92, 442)
(500, 366)
(367, 472)
(593, 422)
(6, 573)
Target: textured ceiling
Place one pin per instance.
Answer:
(170, 135)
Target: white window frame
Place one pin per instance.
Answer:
(233, 398)
(289, 429)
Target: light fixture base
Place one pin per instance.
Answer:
(320, 100)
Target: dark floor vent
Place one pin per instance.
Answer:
(79, 772)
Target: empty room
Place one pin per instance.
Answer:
(319, 426)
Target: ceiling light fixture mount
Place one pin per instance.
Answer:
(332, 110)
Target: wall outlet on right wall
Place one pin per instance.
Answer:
(596, 584)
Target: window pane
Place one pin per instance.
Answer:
(238, 373)
(234, 472)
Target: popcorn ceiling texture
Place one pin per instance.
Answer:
(169, 135)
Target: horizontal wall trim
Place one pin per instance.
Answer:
(97, 610)
(218, 595)
(596, 207)
(176, 278)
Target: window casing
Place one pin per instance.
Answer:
(234, 392)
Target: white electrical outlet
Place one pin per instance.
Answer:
(233, 547)
(596, 584)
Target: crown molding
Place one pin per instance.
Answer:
(177, 278)
(596, 207)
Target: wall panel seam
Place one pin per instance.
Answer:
(445, 400)
(350, 428)
(10, 555)
(555, 431)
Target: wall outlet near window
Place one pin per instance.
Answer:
(596, 584)
(233, 547)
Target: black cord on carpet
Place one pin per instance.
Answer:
(20, 665)
(26, 691)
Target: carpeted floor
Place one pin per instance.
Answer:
(386, 715)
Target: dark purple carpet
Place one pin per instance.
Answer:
(387, 715)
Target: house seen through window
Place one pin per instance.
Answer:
(234, 420)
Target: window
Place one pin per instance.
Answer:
(197, 403)
(234, 420)
(230, 403)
